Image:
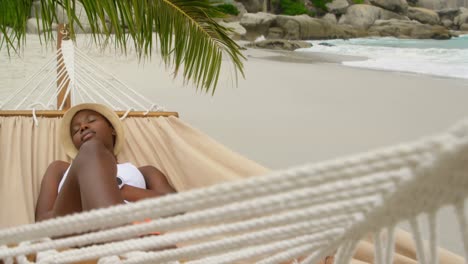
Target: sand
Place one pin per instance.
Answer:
(291, 110)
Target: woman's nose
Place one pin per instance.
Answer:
(84, 127)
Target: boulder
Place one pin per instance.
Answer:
(363, 16)
(305, 27)
(279, 44)
(447, 23)
(462, 18)
(464, 27)
(257, 24)
(399, 6)
(32, 26)
(238, 32)
(432, 4)
(408, 29)
(252, 6)
(330, 18)
(448, 13)
(337, 6)
(423, 15)
(360, 16)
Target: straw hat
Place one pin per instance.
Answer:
(108, 113)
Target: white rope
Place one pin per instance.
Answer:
(153, 107)
(378, 254)
(91, 83)
(277, 181)
(434, 256)
(34, 117)
(463, 224)
(31, 78)
(95, 65)
(417, 236)
(354, 187)
(126, 113)
(292, 253)
(390, 245)
(312, 241)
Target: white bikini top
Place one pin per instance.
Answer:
(127, 172)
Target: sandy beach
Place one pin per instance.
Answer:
(291, 110)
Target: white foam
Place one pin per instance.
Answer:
(447, 62)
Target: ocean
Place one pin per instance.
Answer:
(445, 58)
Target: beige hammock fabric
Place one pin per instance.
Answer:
(189, 158)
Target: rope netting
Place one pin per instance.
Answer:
(302, 213)
(74, 72)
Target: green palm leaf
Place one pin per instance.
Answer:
(187, 36)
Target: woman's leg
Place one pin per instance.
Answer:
(91, 182)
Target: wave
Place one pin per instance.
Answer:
(434, 57)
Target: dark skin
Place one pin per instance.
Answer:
(91, 182)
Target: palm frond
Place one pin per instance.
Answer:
(188, 37)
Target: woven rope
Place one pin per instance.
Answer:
(333, 204)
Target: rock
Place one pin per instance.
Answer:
(305, 27)
(386, 15)
(462, 18)
(363, 16)
(238, 31)
(360, 16)
(256, 24)
(432, 4)
(32, 26)
(275, 33)
(393, 5)
(280, 44)
(252, 6)
(408, 29)
(331, 18)
(447, 23)
(423, 15)
(326, 44)
(464, 27)
(448, 13)
(337, 6)
(241, 8)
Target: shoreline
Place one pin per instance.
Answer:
(323, 57)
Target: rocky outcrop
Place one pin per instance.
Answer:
(279, 44)
(337, 6)
(360, 16)
(257, 24)
(363, 16)
(431, 4)
(462, 18)
(423, 15)
(399, 6)
(305, 27)
(408, 29)
(238, 31)
(331, 18)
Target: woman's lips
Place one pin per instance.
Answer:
(87, 136)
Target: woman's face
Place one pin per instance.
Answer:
(88, 124)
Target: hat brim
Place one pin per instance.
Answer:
(110, 115)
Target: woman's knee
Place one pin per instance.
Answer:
(92, 149)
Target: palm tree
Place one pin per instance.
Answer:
(186, 33)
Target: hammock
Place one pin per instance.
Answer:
(303, 213)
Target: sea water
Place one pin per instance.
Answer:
(447, 58)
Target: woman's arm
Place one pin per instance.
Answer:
(156, 185)
(48, 193)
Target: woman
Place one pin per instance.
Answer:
(92, 136)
